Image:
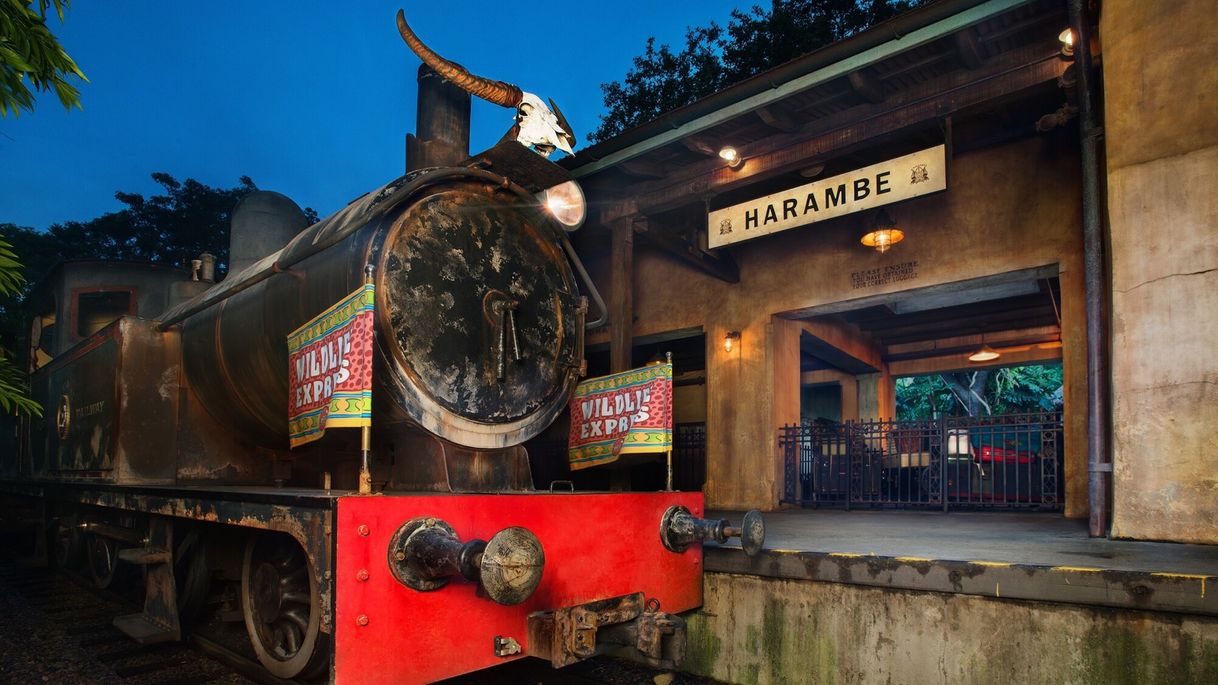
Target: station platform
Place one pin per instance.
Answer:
(1030, 556)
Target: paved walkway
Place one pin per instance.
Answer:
(1019, 538)
(1040, 557)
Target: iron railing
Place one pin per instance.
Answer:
(689, 456)
(1004, 461)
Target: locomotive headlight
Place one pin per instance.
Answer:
(566, 203)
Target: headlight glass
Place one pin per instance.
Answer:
(566, 203)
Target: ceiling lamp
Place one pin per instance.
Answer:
(884, 233)
(731, 156)
(984, 354)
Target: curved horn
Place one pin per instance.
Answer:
(498, 92)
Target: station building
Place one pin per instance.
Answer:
(1049, 167)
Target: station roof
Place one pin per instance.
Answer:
(991, 66)
(971, 73)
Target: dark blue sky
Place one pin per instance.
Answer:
(312, 99)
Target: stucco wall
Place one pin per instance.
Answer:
(754, 630)
(1007, 208)
(1162, 150)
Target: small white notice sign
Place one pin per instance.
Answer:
(920, 173)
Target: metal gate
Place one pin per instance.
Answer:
(1005, 461)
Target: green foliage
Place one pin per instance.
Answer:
(1011, 390)
(11, 277)
(13, 395)
(713, 57)
(171, 227)
(31, 58)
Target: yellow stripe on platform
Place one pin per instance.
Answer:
(1077, 569)
(993, 564)
(1187, 576)
(914, 560)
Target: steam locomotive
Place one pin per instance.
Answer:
(165, 439)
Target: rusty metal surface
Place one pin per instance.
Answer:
(679, 529)
(111, 407)
(425, 553)
(569, 634)
(511, 565)
(159, 620)
(489, 244)
(305, 515)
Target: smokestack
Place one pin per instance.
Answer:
(442, 124)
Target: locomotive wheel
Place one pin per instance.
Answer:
(281, 606)
(103, 559)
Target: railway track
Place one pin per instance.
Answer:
(55, 627)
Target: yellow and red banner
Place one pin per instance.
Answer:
(624, 413)
(330, 369)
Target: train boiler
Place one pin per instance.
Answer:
(420, 550)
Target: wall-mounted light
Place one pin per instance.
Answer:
(984, 354)
(731, 340)
(883, 234)
(1066, 38)
(731, 156)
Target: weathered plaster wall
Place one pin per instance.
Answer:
(1162, 151)
(754, 630)
(1007, 208)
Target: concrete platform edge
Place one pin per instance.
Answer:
(1173, 592)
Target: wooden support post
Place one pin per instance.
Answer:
(621, 319)
(621, 295)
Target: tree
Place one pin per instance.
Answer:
(171, 227)
(1009, 390)
(185, 220)
(713, 58)
(12, 382)
(31, 56)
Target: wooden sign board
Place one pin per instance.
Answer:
(920, 173)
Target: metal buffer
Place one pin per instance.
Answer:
(679, 529)
(425, 553)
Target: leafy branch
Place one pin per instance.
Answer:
(31, 58)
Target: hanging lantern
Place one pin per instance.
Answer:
(884, 233)
(984, 354)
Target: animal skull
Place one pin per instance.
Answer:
(542, 128)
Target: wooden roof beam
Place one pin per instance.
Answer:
(968, 49)
(867, 86)
(641, 168)
(698, 146)
(778, 118)
(850, 129)
(1011, 338)
(721, 266)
